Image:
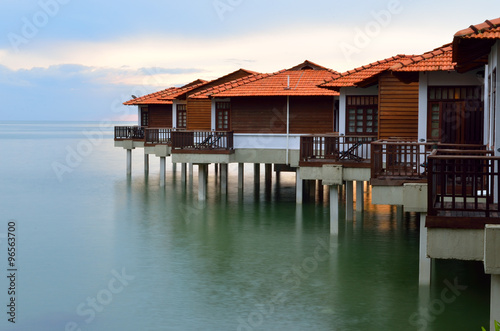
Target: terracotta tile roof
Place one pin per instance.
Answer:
(166, 96)
(490, 29)
(438, 59)
(364, 75)
(304, 81)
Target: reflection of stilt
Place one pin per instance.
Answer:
(349, 200)
(334, 209)
(424, 273)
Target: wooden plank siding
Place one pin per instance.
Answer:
(398, 108)
(258, 114)
(311, 114)
(160, 116)
(199, 114)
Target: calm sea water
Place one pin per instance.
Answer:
(96, 250)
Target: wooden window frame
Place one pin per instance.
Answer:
(144, 116)
(359, 109)
(181, 111)
(222, 113)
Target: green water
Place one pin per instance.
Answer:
(100, 251)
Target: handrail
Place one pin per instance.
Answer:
(203, 140)
(335, 148)
(129, 132)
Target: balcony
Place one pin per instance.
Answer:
(202, 142)
(129, 133)
(350, 151)
(160, 136)
(463, 189)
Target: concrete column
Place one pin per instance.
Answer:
(146, 163)
(256, 173)
(278, 176)
(216, 169)
(360, 190)
(349, 200)
(162, 171)
(334, 209)
(495, 301)
(129, 162)
(223, 178)
(202, 182)
(183, 172)
(174, 168)
(400, 213)
(298, 188)
(320, 190)
(269, 174)
(191, 172)
(312, 190)
(424, 268)
(241, 175)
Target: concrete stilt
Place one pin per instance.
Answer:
(349, 200)
(129, 161)
(146, 163)
(334, 209)
(400, 213)
(495, 301)
(278, 176)
(312, 190)
(298, 188)
(202, 182)
(320, 190)
(174, 168)
(360, 190)
(424, 269)
(241, 174)
(268, 174)
(162, 171)
(256, 173)
(183, 172)
(223, 178)
(216, 170)
(191, 173)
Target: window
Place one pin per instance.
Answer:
(455, 114)
(222, 112)
(144, 117)
(493, 104)
(362, 115)
(181, 116)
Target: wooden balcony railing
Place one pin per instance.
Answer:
(160, 136)
(394, 160)
(463, 189)
(129, 133)
(202, 140)
(332, 148)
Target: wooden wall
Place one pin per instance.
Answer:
(311, 114)
(397, 108)
(160, 116)
(199, 114)
(258, 115)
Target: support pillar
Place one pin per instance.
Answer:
(202, 182)
(360, 190)
(298, 187)
(256, 173)
(424, 268)
(269, 174)
(183, 172)
(400, 213)
(495, 302)
(334, 209)
(216, 170)
(191, 171)
(146, 163)
(129, 162)
(349, 200)
(241, 174)
(162, 171)
(174, 168)
(223, 178)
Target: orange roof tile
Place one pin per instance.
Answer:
(365, 73)
(303, 81)
(490, 29)
(166, 96)
(438, 59)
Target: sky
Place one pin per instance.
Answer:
(81, 59)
